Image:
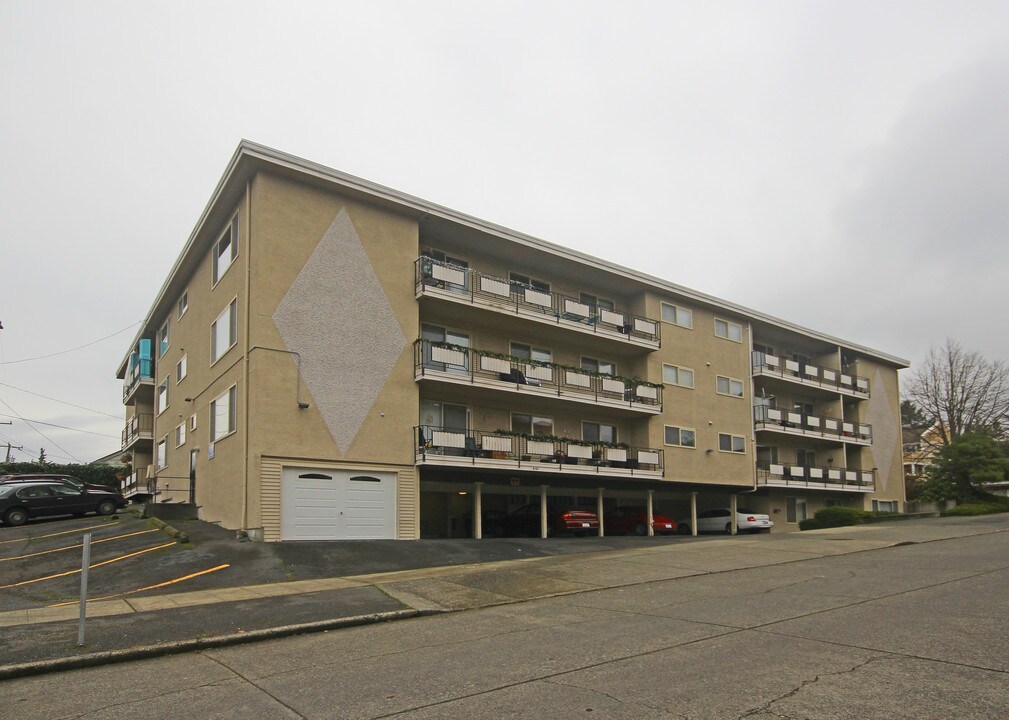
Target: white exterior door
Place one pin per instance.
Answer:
(330, 504)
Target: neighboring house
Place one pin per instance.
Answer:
(920, 446)
(329, 358)
(114, 458)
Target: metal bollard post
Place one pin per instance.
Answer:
(85, 562)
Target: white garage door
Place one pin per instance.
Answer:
(337, 505)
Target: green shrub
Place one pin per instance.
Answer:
(976, 508)
(809, 524)
(839, 516)
(97, 474)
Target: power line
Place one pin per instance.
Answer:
(61, 427)
(64, 352)
(31, 451)
(69, 454)
(64, 402)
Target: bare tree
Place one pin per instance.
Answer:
(961, 392)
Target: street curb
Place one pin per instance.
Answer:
(41, 667)
(169, 530)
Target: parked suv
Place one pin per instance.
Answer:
(68, 480)
(20, 501)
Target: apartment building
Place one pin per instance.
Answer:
(333, 359)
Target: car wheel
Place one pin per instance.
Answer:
(682, 529)
(640, 529)
(106, 507)
(16, 516)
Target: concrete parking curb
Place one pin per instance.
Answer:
(41, 667)
(169, 530)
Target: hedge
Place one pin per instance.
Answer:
(91, 473)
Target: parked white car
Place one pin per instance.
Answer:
(717, 520)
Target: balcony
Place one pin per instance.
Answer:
(137, 378)
(815, 478)
(445, 362)
(805, 425)
(139, 428)
(469, 287)
(135, 484)
(810, 375)
(495, 450)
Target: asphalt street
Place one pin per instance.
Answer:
(916, 629)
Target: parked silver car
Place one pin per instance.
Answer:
(717, 520)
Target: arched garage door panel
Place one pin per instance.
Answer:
(337, 505)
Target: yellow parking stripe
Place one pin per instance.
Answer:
(71, 547)
(64, 532)
(73, 572)
(149, 587)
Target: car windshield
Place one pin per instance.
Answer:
(6, 490)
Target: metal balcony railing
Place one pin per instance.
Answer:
(142, 373)
(830, 478)
(799, 423)
(476, 288)
(479, 367)
(138, 427)
(489, 448)
(810, 375)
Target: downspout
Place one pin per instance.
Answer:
(245, 356)
(753, 419)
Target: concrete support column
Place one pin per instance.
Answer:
(693, 514)
(544, 521)
(478, 510)
(650, 512)
(732, 514)
(599, 511)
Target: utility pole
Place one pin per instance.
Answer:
(15, 447)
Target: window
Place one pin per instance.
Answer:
(180, 435)
(183, 303)
(683, 437)
(162, 396)
(729, 330)
(441, 257)
(521, 282)
(884, 506)
(181, 369)
(192, 423)
(226, 249)
(795, 509)
(532, 424)
(677, 315)
(675, 375)
(731, 443)
(596, 303)
(801, 406)
(728, 386)
(224, 332)
(606, 367)
(766, 349)
(161, 456)
(163, 339)
(527, 352)
(598, 432)
(806, 458)
(222, 415)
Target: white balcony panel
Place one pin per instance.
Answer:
(538, 298)
(440, 438)
(830, 375)
(579, 451)
(834, 474)
(847, 427)
(845, 379)
(613, 386)
(448, 356)
(812, 371)
(792, 365)
(494, 443)
(813, 422)
(816, 473)
(574, 307)
(449, 275)
(862, 383)
(850, 475)
(773, 414)
(777, 469)
(867, 477)
(538, 447)
(864, 430)
(645, 326)
(577, 379)
(797, 471)
(771, 360)
(646, 392)
(795, 418)
(608, 316)
(830, 424)
(647, 457)
(495, 287)
(539, 372)
(616, 454)
(493, 364)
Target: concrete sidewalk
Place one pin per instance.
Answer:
(39, 640)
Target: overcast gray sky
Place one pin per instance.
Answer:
(843, 165)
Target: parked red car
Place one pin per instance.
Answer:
(634, 521)
(525, 521)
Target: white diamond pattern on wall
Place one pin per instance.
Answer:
(334, 297)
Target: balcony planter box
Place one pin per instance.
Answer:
(497, 365)
(644, 326)
(535, 297)
(612, 318)
(449, 275)
(448, 356)
(616, 455)
(441, 438)
(572, 307)
(538, 447)
(648, 457)
(577, 379)
(540, 373)
(614, 386)
(579, 451)
(496, 444)
(646, 392)
(495, 287)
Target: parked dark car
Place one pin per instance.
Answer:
(634, 521)
(68, 480)
(524, 521)
(20, 501)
